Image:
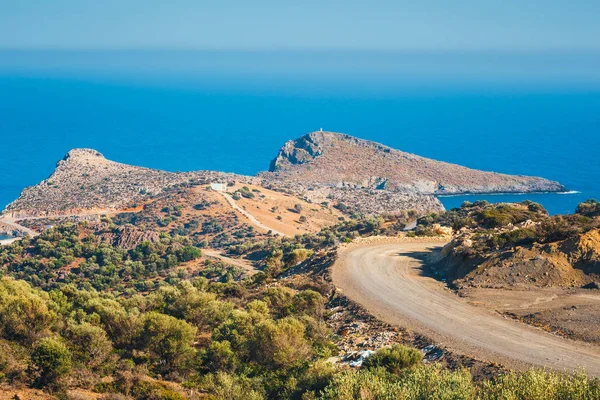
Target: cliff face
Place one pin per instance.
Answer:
(337, 160)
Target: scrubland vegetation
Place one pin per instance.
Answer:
(502, 225)
(76, 312)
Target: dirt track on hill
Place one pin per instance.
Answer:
(13, 224)
(243, 264)
(251, 217)
(387, 280)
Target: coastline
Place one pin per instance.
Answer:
(554, 202)
(505, 193)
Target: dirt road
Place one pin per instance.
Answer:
(13, 224)
(243, 264)
(251, 217)
(386, 279)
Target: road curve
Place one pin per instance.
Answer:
(13, 224)
(386, 279)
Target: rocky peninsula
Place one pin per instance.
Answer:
(355, 175)
(338, 160)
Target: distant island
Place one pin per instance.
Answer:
(357, 175)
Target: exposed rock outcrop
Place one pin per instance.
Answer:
(573, 262)
(127, 236)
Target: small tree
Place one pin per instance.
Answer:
(308, 302)
(189, 253)
(220, 357)
(168, 341)
(280, 344)
(24, 312)
(89, 344)
(52, 360)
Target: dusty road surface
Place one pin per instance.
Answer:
(13, 224)
(386, 279)
(243, 264)
(251, 217)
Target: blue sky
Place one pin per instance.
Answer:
(308, 24)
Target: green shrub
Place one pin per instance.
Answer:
(590, 208)
(223, 386)
(541, 385)
(493, 217)
(142, 389)
(24, 312)
(296, 256)
(422, 383)
(513, 238)
(308, 302)
(89, 344)
(280, 344)
(220, 357)
(364, 384)
(14, 360)
(51, 359)
(168, 341)
(394, 359)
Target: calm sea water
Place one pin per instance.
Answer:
(231, 112)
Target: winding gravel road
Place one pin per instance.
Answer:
(386, 279)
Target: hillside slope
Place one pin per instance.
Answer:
(518, 246)
(338, 160)
(84, 180)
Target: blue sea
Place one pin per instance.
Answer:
(232, 111)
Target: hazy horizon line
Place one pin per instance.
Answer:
(341, 50)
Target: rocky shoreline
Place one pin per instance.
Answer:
(357, 176)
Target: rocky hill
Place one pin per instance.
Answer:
(84, 181)
(355, 175)
(338, 160)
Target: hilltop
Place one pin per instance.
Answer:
(338, 160)
(85, 186)
(355, 176)
(85, 181)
